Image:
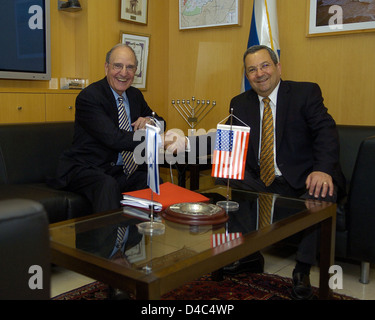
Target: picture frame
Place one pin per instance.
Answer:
(199, 14)
(343, 17)
(140, 44)
(134, 11)
(137, 253)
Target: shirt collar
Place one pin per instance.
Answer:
(116, 95)
(273, 95)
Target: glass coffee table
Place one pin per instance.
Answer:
(156, 264)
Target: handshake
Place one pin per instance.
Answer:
(174, 141)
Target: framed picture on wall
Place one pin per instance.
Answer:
(203, 14)
(134, 11)
(327, 17)
(140, 44)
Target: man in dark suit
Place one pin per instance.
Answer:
(93, 166)
(305, 145)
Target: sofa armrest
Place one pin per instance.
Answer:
(24, 250)
(361, 204)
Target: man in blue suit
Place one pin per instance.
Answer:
(305, 147)
(93, 165)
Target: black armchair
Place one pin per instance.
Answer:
(360, 208)
(24, 251)
(355, 236)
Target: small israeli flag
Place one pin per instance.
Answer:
(153, 143)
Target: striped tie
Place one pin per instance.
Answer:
(265, 209)
(267, 166)
(128, 157)
(120, 239)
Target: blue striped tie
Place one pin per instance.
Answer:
(121, 239)
(128, 157)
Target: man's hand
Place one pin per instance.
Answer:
(319, 183)
(175, 141)
(140, 123)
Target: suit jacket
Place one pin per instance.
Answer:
(97, 138)
(306, 135)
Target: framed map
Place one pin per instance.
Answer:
(208, 13)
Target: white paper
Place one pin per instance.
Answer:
(140, 203)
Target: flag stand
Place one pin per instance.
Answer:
(229, 205)
(151, 227)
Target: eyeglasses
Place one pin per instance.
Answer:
(263, 67)
(119, 67)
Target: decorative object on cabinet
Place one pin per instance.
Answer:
(134, 11)
(72, 83)
(340, 17)
(202, 14)
(140, 44)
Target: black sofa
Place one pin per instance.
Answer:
(28, 157)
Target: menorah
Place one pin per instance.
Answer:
(193, 113)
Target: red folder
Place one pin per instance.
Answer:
(169, 194)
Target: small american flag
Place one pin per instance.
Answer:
(218, 239)
(230, 152)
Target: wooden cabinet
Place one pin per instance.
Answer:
(56, 105)
(60, 107)
(22, 107)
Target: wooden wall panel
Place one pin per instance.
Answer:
(207, 63)
(343, 65)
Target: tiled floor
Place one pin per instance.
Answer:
(283, 264)
(280, 262)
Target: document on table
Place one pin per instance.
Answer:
(139, 213)
(140, 203)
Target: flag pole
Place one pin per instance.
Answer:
(230, 155)
(152, 208)
(152, 148)
(229, 205)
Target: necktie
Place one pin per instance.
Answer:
(267, 166)
(265, 209)
(121, 238)
(128, 157)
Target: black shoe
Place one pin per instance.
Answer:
(253, 264)
(302, 289)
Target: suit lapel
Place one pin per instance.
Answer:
(252, 118)
(134, 111)
(111, 107)
(283, 98)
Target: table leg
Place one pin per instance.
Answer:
(148, 291)
(327, 248)
(194, 176)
